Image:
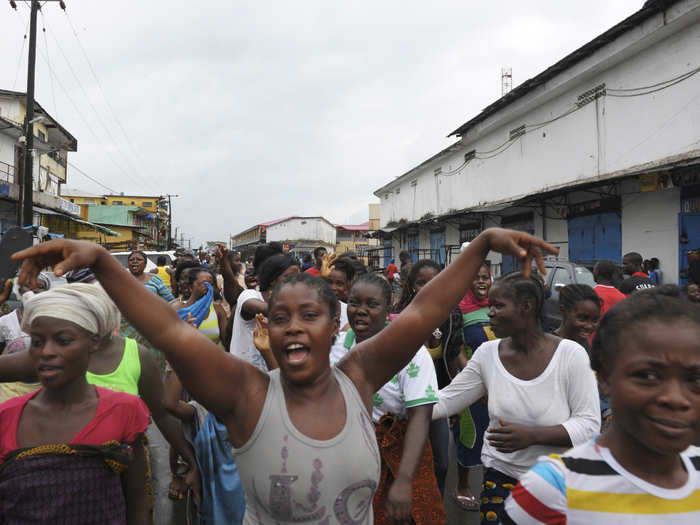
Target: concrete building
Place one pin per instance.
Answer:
(52, 142)
(137, 221)
(299, 235)
(599, 154)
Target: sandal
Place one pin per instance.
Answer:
(469, 503)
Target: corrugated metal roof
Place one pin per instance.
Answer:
(355, 227)
(650, 8)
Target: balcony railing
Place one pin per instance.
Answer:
(7, 173)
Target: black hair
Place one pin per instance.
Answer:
(346, 266)
(322, 288)
(659, 304)
(606, 269)
(272, 268)
(575, 293)
(145, 259)
(635, 258)
(263, 253)
(306, 258)
(358, 267)
(185, 265)
(378, 281)
(408, 292)
(161, 260)
(318, 250)
(525, 287)
(404, 254)
(196, 270)
(348, 254)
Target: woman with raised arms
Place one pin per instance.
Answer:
(302, 435)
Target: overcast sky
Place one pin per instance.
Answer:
(252, 111)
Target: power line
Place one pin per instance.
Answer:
(76, 168)
(46, 43)
(99, 85)
(21, 52)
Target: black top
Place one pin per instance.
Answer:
(635, 283)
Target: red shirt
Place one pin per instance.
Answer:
(313, 271)
(119, 417)
(610, 296)
(391, 270)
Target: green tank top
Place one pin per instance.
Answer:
(126, 376)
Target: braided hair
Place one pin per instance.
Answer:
(575, 293)
(525, 287)
(322, 288)
(408, 292)
(379, 282)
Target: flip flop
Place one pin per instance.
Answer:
(469, 503)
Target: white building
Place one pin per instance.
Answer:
(52, 143)
(303, 234)
(599, 154)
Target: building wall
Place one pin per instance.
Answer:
(300, 228)
(650, 227)
(607, 137)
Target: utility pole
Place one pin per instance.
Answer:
(26, 210)
(170, 222)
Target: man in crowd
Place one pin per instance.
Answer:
(637, 280)
(318, 259)
(406, 265)
(604, 273)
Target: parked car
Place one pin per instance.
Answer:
(152, 258)
(559, 274)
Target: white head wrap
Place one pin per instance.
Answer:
(86, 305)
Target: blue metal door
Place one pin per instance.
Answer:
(595, 237)
(437, 246)
(387, 252)
(413, 246)
(688, 226)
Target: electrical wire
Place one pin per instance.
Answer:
(670, 81)
(92, 106)
(48, 58)
(21, 52)
(102, 91)
(76, 168)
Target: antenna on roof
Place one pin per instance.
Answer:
(506, 80)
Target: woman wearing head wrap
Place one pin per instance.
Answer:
(71, 452)
(118, 363)
(14, 340)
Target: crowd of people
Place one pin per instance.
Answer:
(322, 392)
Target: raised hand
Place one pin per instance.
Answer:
(261, 335)
(63, 254)
(327, 264)
(6, 291)
(524, 246)
(220, 253)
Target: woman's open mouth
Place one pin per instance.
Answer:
(48, 370)
(296, 353)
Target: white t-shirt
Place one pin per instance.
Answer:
(242, 345)
(11, 334)
(587, 485)
(343, 314)
(414, 385)
(566, 393)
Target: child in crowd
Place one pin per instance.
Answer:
(644, 467)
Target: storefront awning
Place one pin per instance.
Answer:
(107, 231)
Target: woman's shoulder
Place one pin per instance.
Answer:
(112, 400)
(571, 351)
(14, 405)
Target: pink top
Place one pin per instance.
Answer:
(119, 417)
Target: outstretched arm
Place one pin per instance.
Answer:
(375, 361)
(218, 380)
(232, 289)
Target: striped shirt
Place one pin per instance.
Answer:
(587, 485)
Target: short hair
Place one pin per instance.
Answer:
(606, 269)
(635, 258)
(139, 252)
(318, 250)
(403, 254)
(185, 265)
(348, 254)
(263, 253)
(653, 304)
(345, 265)
(524, 287)
(575, 293)
(379, 282)
(272, 268)
(322, 288)
(161, 260)
(358, 267)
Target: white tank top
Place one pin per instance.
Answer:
(291, 478)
